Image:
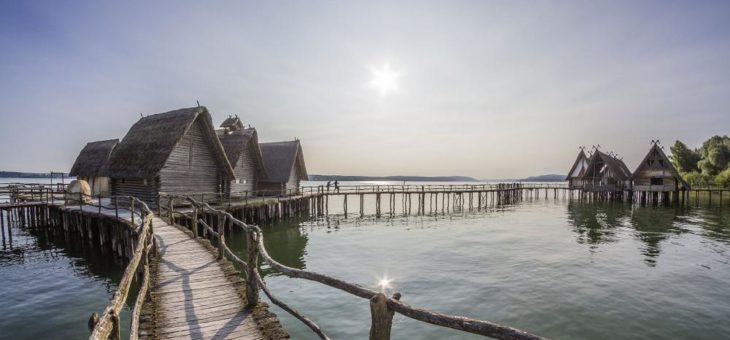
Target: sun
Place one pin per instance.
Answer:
(385, 80)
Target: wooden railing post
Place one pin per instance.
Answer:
(196, 232)
(252, 286)
(381, 318)
(221, 236)
(169, 209)
(116, 207)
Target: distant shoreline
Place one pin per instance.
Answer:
(19, 174)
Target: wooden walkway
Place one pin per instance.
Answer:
(194, 298)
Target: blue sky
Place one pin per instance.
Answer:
(485, 89)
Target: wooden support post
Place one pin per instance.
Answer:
(381, 318)
(252, 286)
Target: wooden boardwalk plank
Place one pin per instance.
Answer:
(195, 298)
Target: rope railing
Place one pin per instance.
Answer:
(382, 307)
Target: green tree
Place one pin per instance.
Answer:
(715, 153)
(697, 179)
(723, 178)
(684, 158)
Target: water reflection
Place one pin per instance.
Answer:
(601, 223)
(46, 275)
(654, 225)
(596, 224)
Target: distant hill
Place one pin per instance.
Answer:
(392, 178)
(544, 178)
(17, 174)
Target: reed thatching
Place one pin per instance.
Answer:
(232, 123)
(149, 142)
(617, 167)
(92, 158)
(280, 158)
(578, 161)
(237, 142)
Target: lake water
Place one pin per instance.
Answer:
(561, 269)
(49, 287)
(557, 268)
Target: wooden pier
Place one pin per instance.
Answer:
(194, 286)
(185, 292)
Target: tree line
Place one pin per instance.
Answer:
(704, 166)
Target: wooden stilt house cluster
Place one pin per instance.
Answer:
(606, 173)
(181, 153)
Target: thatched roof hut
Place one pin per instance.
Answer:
(577, 171)
(149, 143)
(92, 158)
(606, 173)
(175, 152)
(232, 123)
(244, 154)
(90, 163)
(284, 164)
(656, 173)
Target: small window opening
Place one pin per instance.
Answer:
(657, 181)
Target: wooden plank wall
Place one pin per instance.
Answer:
(192, 166)
(136, 187)
(246, 170)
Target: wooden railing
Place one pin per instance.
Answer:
(428, 188)
(382, 307)
(107, 325)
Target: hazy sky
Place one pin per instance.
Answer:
(485, 89)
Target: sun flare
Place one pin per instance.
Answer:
(385, 79)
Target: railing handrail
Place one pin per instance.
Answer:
(258, 248)
(108, 323)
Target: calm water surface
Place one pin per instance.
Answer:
(565, 270)
(49, 286)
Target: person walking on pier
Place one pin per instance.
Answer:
(328, 186)
(337, 187)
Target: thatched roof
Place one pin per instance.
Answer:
(280, 158)
(615, 165)
(149, 142)
(92, 158)
(578, 162)
(666, 165)
(236, 142)
(232, 123)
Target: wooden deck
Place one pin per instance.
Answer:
(193, 296)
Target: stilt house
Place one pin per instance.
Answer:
(285, 168)
(606, 173)
(175, 152)
(577, 171)
(242, 149)
(657, 174)
(90, 163)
